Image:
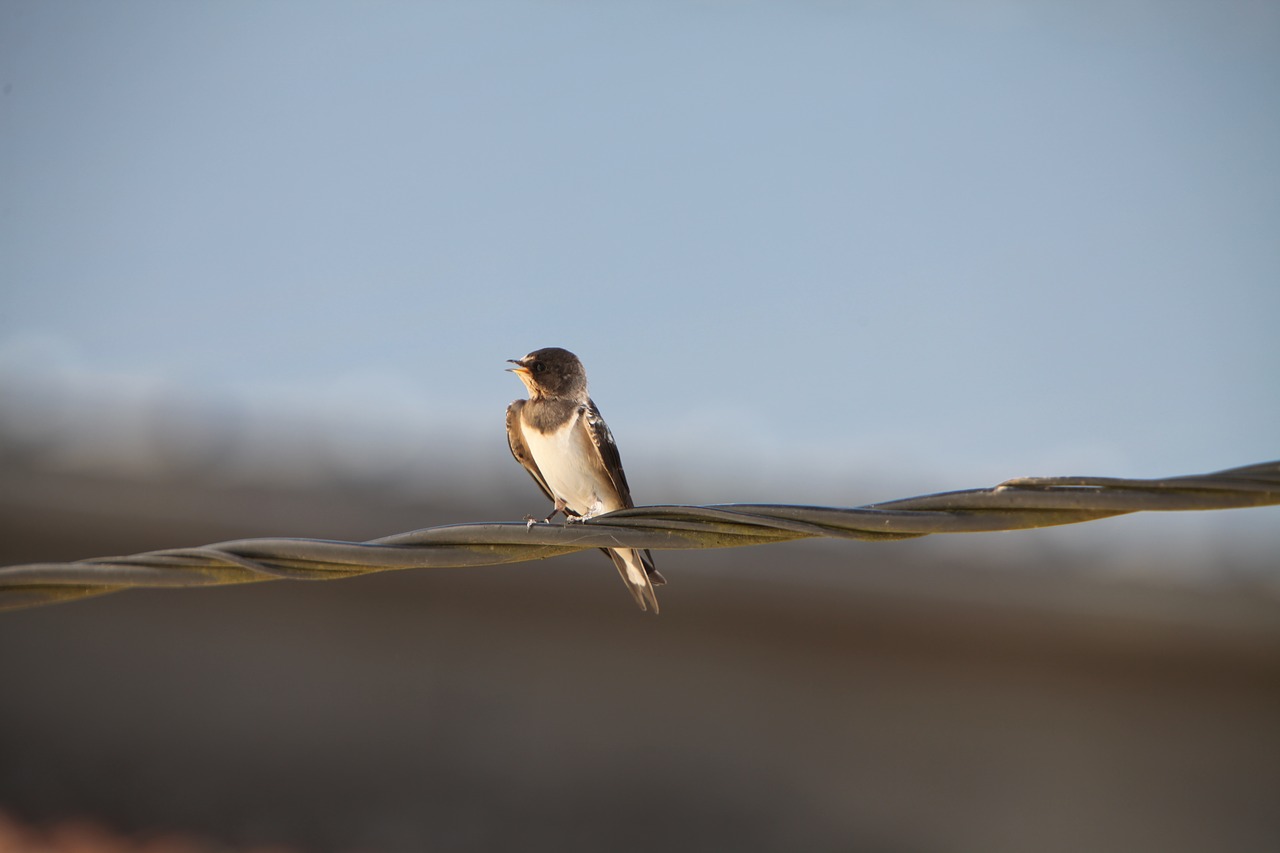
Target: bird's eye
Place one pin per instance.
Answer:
(539, 367)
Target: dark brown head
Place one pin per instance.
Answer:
(551, 372)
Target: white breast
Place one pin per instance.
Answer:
(564, 457)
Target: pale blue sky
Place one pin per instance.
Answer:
(995, 237)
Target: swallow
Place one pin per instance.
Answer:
(560, 438)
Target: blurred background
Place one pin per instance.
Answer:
(261, 266)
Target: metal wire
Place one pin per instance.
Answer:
(1013, 505)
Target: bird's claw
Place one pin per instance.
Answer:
(529, 522)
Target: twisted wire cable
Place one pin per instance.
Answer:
(1013, 505)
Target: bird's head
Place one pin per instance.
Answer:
(551, 372)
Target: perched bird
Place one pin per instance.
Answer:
(564, 444)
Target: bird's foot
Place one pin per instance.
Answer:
(578, 519)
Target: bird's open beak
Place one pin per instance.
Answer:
(522, 373)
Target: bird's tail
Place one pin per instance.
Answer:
(635, 568)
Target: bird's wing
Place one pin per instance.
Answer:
(520, 450)
(602, 440)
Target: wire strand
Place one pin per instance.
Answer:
(1013, 505)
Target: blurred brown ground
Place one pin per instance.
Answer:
(818, 696)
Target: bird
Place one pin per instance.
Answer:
(560, 438)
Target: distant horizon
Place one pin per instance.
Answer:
(166, 435)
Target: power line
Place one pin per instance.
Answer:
(1014, 505)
